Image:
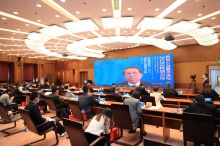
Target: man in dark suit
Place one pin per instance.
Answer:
(201, 107)
(60, 105)
(133, 75)
(37, 119)
(112, 88)
(169, 89)
(206, 80)
(117, 95)
(86, 101)
(142, 90)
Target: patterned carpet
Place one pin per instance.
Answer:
(26, 137)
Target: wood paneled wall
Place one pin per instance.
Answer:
(44, 67)
(188, 60)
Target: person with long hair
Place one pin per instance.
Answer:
(100, 125)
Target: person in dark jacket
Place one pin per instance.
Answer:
(117, 95)
(86, 101)
(37, 119)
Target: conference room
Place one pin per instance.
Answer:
(101, 42)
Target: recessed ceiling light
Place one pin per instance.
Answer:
(18, 29)
(13, 33)
(67, 38)
(38, 5)
(133, 31)
(103, 9)
(157, 9)
(88, 34)
(125, 31)
(57, 16)
(102, 32)
(213, 17)
(16, 13)
(147, 32)
(4, 18)
(63, 0)
(129, 9)
(154, 32)
(77, 12)
(199, 14)
(110, 32)
(39, 20)
(12, 37)
(179, 11)
(27, 24)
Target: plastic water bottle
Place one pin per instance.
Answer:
(25, 129)
(148, 89)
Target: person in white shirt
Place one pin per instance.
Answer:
(100, 125)
(8, 101)
(157, 96)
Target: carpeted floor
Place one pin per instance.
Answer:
(25, 137)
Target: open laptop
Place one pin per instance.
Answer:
(68, 94)
(142, 104)
(208, 99)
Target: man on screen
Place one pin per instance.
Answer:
(133, 77)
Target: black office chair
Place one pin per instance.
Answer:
(122, 118)
(170, 94)
(8, 118)
(198, 128)
(147, 98)
(208, 95)
(77, 136)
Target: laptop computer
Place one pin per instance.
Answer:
(142, 104)
(68, 94)
(208, 99)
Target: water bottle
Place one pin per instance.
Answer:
(148, 89)
(25, 129)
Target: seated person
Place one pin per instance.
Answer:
(66, 88)
(46, 85)
(100, 125)
(18, 94)
(90, 88)
(157, 96)
(135, 110)
(8, 102)
(169, 89)
(201, 107)
(42, 102)
(37, 119)
(60, 104)
(26, 86)
(141, 90)
(208, 89)
(112, 88)
(117, 95)
(86, 101)
(20, 87)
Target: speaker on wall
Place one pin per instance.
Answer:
(73, 71)
(19, 59)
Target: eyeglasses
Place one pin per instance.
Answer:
(129, 73)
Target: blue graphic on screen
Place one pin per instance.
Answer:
(155, 70)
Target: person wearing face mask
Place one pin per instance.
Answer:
(206, 80)
(41, 123)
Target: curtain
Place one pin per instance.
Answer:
(4, 71)
(28, 72)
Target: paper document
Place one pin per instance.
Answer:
(50, 119)
(154, 107)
